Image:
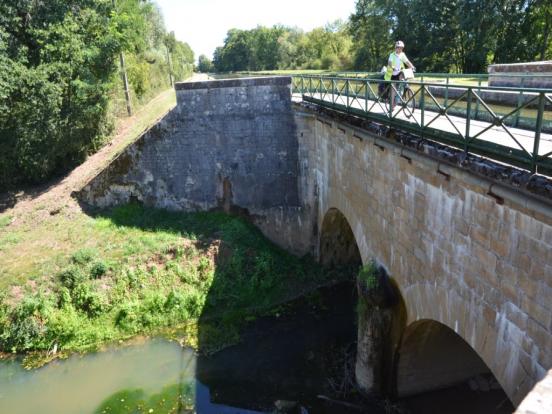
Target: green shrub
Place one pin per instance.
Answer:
(87, 301)
(64, 298)
(127, 317)
(71, 277)
(98, 269)
(25, 328)
(83, 256)
(368, 275)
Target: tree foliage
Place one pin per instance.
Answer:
(441, 36)
(281, 47)
(204, 64)
(457, 35)
(59, 74)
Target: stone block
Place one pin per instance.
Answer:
(485, 259)
(480, 235)
(527, 286)
(507, 273)
(547, 235)
(522, 261)
(500, 248)
(528, 226)
(489, 314)
(537, 313)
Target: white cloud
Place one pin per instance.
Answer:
(203, 24)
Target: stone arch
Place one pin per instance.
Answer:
(486, 331)
(433, 356)
(338, 245)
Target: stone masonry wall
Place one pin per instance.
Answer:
(505, 74)
(478, 263)
(228, 144)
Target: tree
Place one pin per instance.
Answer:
(204, 64)
(58, 74)
(370, 27)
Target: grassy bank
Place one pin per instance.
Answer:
(133, 270)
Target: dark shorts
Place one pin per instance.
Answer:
(396, 77)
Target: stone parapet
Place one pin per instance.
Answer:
(522, 75)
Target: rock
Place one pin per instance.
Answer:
(289, 407)
(482, 383)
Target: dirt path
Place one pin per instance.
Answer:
(49, 199)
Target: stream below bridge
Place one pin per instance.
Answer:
(298, 360)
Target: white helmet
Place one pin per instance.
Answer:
(399, 43)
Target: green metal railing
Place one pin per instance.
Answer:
(516, 133)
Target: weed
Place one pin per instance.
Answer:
(5, 221)
(98, 269)
(368, 275)
(83, 256)
(72, 276)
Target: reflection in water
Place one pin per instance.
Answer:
(80, 384)
(138, 373)
(287, 358)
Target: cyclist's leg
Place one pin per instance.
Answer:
(393, 92)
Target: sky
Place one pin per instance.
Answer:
(203, 24)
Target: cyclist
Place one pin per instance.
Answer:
(395, 64)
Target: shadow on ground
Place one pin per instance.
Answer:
(270, 326)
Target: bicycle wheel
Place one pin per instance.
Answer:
(409, 102)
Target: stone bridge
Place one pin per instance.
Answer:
(469, 256)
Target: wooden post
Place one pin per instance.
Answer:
(124, 77)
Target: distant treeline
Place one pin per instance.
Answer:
(60, 79)
(462, 36)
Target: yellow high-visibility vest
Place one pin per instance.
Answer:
(397, 64)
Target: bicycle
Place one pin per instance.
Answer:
(403, 95)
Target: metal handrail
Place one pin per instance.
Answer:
(440, 85)
(512, 146)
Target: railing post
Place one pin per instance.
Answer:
(366, 95)
(538, 129)
(519, 101)
(468, 116)
(347, 91)
(391, 98)
(310, 87)
(422, 107)
(446, 91)
(477, 101)
(334, 99)
(302, 85)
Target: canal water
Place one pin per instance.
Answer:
(300, 359)
(283, 358)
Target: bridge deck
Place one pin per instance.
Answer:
(505, 136)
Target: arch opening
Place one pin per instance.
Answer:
(433, 358)
(338, 246)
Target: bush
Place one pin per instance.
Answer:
(83, 256)
(72, 277)
(368, 275)
(127, 317)
(25, 326)
(98, 269)
(87, 301)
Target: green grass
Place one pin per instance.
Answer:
(5, 220)
(146, 116)
(133, 270)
